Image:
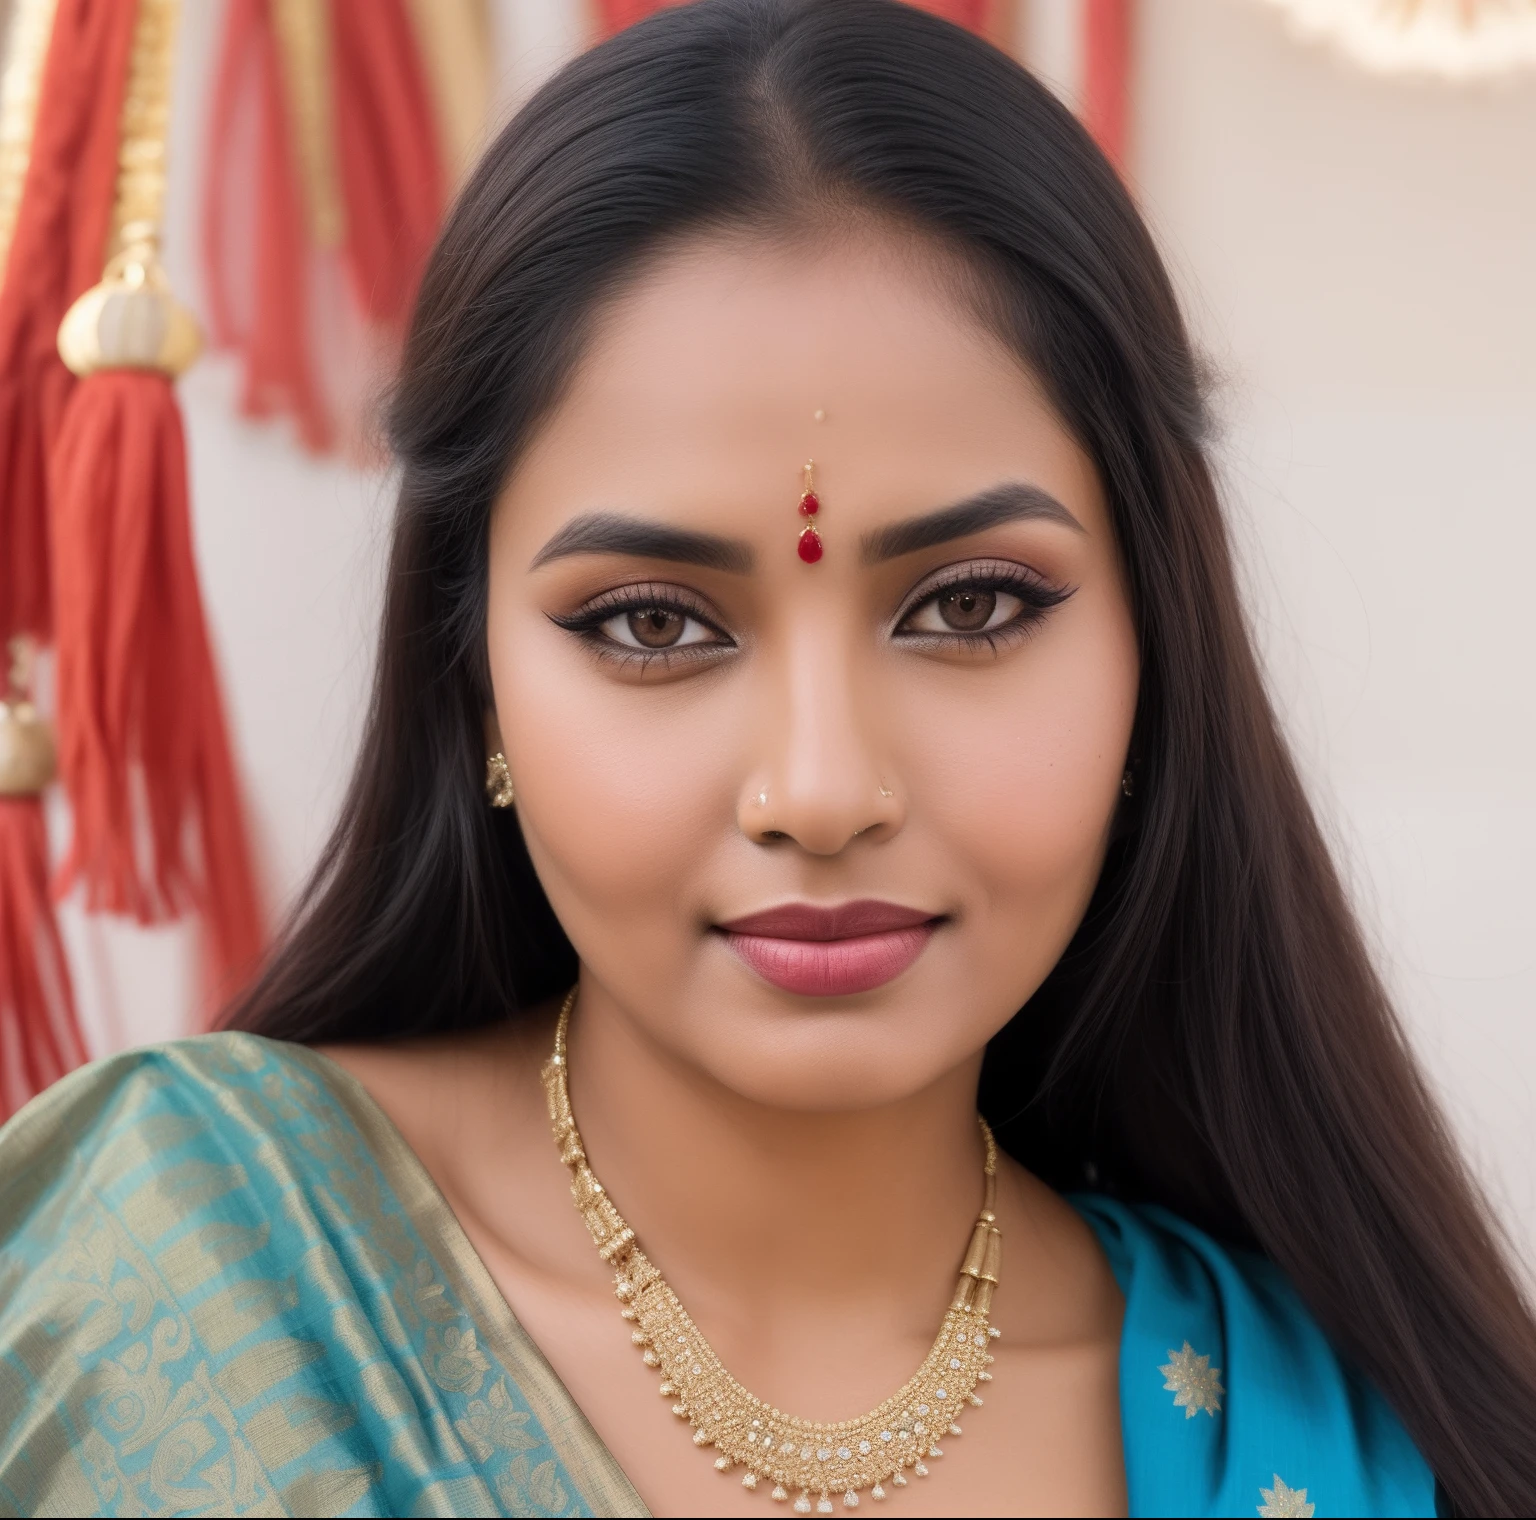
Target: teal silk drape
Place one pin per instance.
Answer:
(228, 1287)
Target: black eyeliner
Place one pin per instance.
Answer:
(1032, 589)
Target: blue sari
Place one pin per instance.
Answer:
(227, 1286)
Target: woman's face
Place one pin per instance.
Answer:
(817, 829)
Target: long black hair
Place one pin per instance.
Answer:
(1215, 1037)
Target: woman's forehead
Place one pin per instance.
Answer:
(717, 324)
(735, 361)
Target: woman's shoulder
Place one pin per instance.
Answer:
(1233, 1399)
(226, 1287)
(170, 1116)
(185, 1076)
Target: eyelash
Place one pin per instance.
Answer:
(587, 622)
(1036, 595)
(1033, 591)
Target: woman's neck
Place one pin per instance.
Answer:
(778, 1203)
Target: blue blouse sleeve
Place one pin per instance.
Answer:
(1232, 1400)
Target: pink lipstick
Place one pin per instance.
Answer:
(831, 952)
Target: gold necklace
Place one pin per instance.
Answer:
(808, 1455)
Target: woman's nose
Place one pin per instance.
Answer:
(821, 780)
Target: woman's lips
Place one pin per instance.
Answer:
(831, 952)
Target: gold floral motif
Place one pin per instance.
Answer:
(1194, 1382)
(529, 1490)
(109, 1287)
(493, 1421)
(1282, 1503)
(454, 1361)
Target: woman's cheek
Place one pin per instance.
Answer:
(1028, 814)
(616, 788)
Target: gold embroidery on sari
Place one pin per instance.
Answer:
(291, 1428)
(454, 1361)
(168, 1197)
(139, 1405)
(239, 1310)
(199, 1257)
(256, 1372)
(526, 1489)
(493, 1421)
(144, 1378)
(1285, 1503)
(328, 1491)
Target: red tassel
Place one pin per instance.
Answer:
(1107, 73)
(143, 750)
(259, 247)
(40, 1036)
(259, 253)
(55, 253)
(391, 167)
(973, 15)
(30, 410)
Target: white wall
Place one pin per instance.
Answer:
(1357, 257)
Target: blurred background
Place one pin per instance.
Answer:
(1344, 192)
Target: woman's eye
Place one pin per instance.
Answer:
(655, 628)
(965, 609)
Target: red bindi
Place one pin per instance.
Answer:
(809, 547)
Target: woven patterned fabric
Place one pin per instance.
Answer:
(228, 1287)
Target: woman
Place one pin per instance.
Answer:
(811, 638)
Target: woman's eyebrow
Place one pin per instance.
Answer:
(610, 533)
(1012, 501)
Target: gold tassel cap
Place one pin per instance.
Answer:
(27, 761)
(130, 320)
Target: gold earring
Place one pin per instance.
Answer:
(1127, 784)
(498, 781)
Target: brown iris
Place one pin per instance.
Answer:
(967, 609)
(656, 627)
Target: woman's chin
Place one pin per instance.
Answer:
(820, 1053)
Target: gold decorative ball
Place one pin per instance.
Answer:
(26, 751)
(119, 325)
